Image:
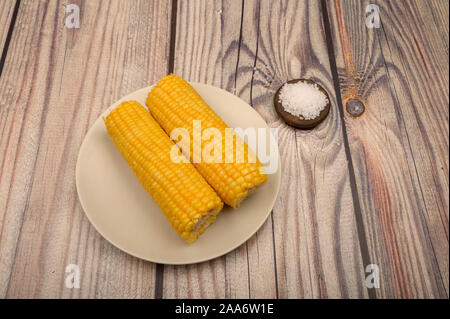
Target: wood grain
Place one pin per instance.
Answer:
(309, 245)
(55, 83)
(6, 13)
(399, 146)
(438, 11)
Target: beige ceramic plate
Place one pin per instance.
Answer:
(123, 213)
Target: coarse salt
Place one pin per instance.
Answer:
(302, 99)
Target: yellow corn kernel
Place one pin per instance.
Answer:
(175, 104)
(183, 195)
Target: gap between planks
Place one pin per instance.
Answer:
(8, 36)
(159, 273)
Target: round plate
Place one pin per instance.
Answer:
(123, 213)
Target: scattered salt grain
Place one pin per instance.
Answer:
(302, 99)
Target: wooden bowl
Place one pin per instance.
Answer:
(298, 121)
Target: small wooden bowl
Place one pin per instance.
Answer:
(298, 121)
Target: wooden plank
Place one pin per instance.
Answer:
(399, 146)
(6, 13)
(55, 83)
(438, 11)
(312, 231)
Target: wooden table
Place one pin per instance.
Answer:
(357, 190)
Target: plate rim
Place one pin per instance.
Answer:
(198, 260)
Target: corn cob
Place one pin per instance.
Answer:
(185, 198)
(175, 104)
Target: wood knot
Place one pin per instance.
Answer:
(355, 107)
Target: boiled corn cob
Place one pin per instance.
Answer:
(185, 198)
(175, 104)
